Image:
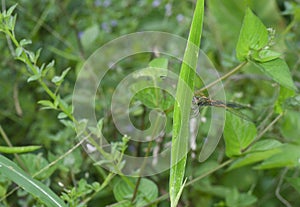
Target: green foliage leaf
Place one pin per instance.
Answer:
(47, 104)
(154, 98)
(289, 126)
(264, 145)
(159, 63)
(182, 109)
(35, 163)
(62, 115)
(24, 42)
(34, 77)
(59, 79)
(265, 55)
(147, 88)
(253, 36)
(295, 182)
(89, 36)
(149, 97)
(258, 152)
(36, 188)
(75, 196)
(284, 95)
(236, 199)
(19, 51)
(73, 161)
(48, 67)
(147, 191)
(288, 156)
(238, 134)
(279, 71)
(11, 10)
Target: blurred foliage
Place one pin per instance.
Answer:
(69, 31)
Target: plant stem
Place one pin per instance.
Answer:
(165, 196)
(264, 131)
(198, 92)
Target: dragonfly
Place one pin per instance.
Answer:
(202, 101)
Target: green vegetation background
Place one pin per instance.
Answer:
(69, 31)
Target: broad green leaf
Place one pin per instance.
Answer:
(236, 199)
(4, 186)
(295, 182)
(35, 163)
(159, 63)
(155, 73)
(293, 102)
(182, 107)
(150, 97)
(253, 36)
(34, 187)
(216, 190)
(284, 95)
(264, 145)
(73, 161)
(258, 152)
(238, 134)
(279, 71)
(147, 191)
(89, 36)
(265, 56)
(289, 126)
(253, 158)
(10, 150)
(289, 156)
(154, 98)
(124, 203)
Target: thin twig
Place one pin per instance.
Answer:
(264, 131)
(221, 78)
(268, 127)
(277, 192)
(18, 108)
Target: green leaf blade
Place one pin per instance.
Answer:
(238, 134)
(36, 188)
(147, 191)
(182, 106)
(289, 156)
(253, 36)
(279, 71)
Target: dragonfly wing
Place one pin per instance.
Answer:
(239, 114)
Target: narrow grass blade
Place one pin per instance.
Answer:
(34, 187)
(182, 108)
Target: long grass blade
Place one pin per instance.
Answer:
(182, 108)
(36, 188)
